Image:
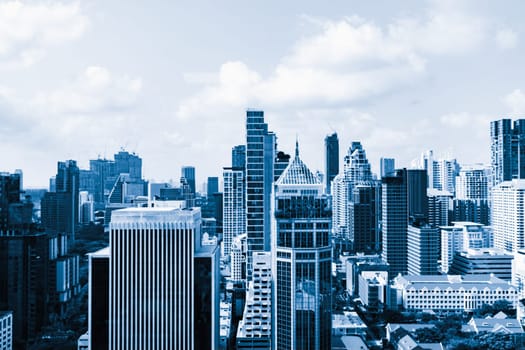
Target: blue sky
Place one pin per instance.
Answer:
(171, 80)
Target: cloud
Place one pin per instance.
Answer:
(95, 90)
(28, 30)
(343, 63)
(507, 38)
(516, 101)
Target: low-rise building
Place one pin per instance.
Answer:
(373, 289)
(348, 323)
(451, 293)
(483, 261)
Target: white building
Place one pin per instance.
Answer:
(6, 330)
(234, 213)
(340, 213)
(373, 288)
(451, 292)
(255, 329)
(151, 289)
(472, 182)
(518, 272)
(462, 236)
(238, 257)
(508, 215)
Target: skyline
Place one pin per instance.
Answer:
(174, 90)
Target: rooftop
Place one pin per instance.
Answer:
(297, 173)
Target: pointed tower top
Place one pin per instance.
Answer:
(296, 147)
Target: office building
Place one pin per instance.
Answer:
(152, 257)
(507, 146)
(508, 215)
(373, 286)
(423, 249)
(364, 213)
(302, 260)
(518, 272)
(471, 202)
(395, 222)
(281, 162)
(98, 313)
(462, 236)
(387, 166)
(417, 195)
(255, 328)
(331, 156)
(451, 293)
(212, 186)
(234, 215)
(239, 156)
(15, 213)
(356, 165)
(483, 261)
(260, 158)
(60, 209)
(6, 330)
(128, 163)
(188, 174)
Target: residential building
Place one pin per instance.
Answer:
(255, 329)
(507, 146)
(234, 214)
(373, 286)
(508, 215)
(472, 195)
(238, 258)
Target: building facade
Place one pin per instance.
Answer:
(331, 154)
(302, 260)
(234, 215)
(508, 215)
(423, 250)
(507, 146)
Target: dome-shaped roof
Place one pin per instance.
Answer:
(297, 173)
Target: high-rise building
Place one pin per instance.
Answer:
(128, 163)
(152, 279)
(188, 173)
(388, 166)
(472, 195)
(507, 146)
(60, 209)
(462, 236)
(331, 154)
(260, 157)
(364, 210)
(238, 258)
(438, 207)
(518, 272)
(441, 172)
(395, 222)
(255, 329)
(508, 215)
(15, 214)
(239, 156)
(281, 162)
(340, 218)
(234, 215)
(356, 165)
(417, 195)
(302, 260)
(98, 313)
(212, 185)
(423, 250)
(6, 330)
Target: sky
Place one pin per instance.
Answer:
(171, 80)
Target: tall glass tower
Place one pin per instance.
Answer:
(260, 154)
(331, 152)
(302, 257)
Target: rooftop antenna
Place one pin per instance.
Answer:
(296, 146)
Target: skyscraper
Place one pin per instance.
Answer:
(417, 195)
(364, 210)
(60, 210)
(472, 195)
(423, 249)
(331, 154)
(507, 146)
(188, 173)
(260, 157)
(508, 215)
(438, 207)
(152, 278)
(234, 215)
(302, 260)
(128, 163)
(98, 313)
(395, 221)
(239, 156)
(388, 166)
(212, 186)
(356, 165)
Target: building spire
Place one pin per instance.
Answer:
(296, 147)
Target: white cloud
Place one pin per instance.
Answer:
(346, 61)
(95, 90)
(28, 30)
(507, 38)
(516, 101)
